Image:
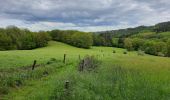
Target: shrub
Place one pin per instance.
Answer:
(115, 42)
(161, 54)
(168, 48)
(114, 51)
(82, 40)
(137, 43)
(128, 44)
(141, 53)
(88, 63)
(52, 60)
(125, 52)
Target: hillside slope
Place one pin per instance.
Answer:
(119, 76)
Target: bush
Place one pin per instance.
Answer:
(141, 53)
(137, 43)
(125, 52)
(82, 40)
(161, 54)
(115, 42)
(168, 48)
(114, 51)
(128, 44)
(88, 63)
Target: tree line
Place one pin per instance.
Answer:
(154, 40)
(72, 37)
(12, 38)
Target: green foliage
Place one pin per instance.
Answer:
(152, 47)
(5, 42)
(121, 42)
(114, 51)
(162, 27)
(15, 38)
(141, 53)
(168, 48)
(115, 42)
(137, 43)
(42, 39)
(124, 52)
(151, 39)
(27, 42)
(98, 40)
(75, 38)
(128, 44)
(82, 40)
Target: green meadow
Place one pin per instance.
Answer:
(119, 76)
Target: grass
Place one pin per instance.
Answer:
(119, 77)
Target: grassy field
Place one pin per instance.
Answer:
(118, 77)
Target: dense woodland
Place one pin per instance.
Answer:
(12, 38)
(154, 40)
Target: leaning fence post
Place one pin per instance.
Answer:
(64, 60)
(33, 66)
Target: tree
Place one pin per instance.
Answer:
(137, 43)
(162, 27)
(27, 42)
(5, 42)
(149, 47)
(41, 39)
(14, 32)
(115, 42)
(168, 48)
(98, 40)
(107, 39)
(121, 42)
(128, 44)
(82, 40)
(72, 37)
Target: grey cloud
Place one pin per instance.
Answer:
(85, 13)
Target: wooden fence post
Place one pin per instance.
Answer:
(67, 85)
(79, 57)
(33, 66)
(64, 60)
(81, 66)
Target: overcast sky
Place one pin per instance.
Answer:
(84, 15)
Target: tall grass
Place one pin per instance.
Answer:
(113, 83)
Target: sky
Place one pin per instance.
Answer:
(83, 15)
